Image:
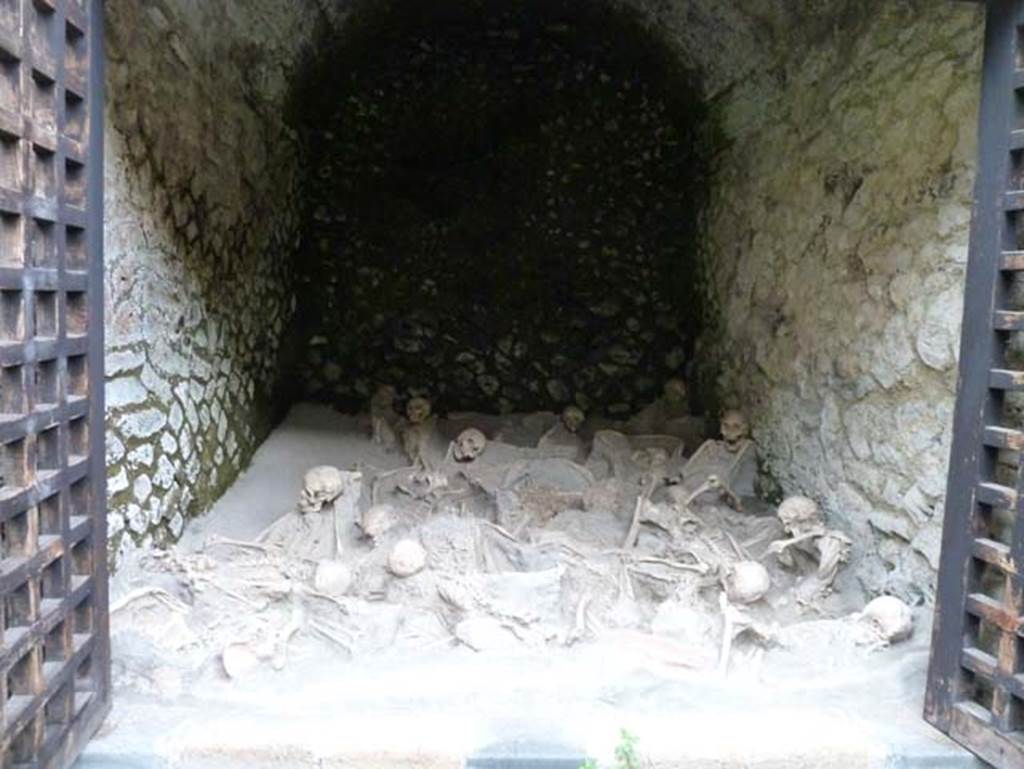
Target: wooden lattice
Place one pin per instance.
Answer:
(976, 681)
(54, 653)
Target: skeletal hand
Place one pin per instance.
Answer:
(779, 546)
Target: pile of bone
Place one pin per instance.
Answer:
(388, 551)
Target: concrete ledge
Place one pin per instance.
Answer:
(146, 736)
(531, 710)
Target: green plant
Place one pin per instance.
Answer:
(626, 755)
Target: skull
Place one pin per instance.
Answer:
(675, 391)
(332, 578)
(320, 486)
(469, 445)
(800, 516)
(239, 660)
(735, 429)
(746, 582)
(890, 617)
(418, 410)
(377, 520)
(407, 558)
(573, 418)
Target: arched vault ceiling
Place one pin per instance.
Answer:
(727, 41)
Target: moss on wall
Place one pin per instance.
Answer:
(504, 208)
(201, 223)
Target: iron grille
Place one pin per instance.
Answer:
(976, 680)
(54, 652)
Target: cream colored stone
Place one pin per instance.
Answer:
(407, 558)
(747, 582)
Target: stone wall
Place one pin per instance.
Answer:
(503, 210)
(837, 236)
(201, 224)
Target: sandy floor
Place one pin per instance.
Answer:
(445, 702)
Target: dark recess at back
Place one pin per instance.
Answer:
(503, 210)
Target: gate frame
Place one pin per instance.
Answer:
(54, 612)
(975, 692)
(97, 370)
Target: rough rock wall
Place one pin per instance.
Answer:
(504, 211)
(836, 239)
(201, 224)
(837, 236)
(733, 45)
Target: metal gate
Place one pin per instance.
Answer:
(54, 651)
(976, 680)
